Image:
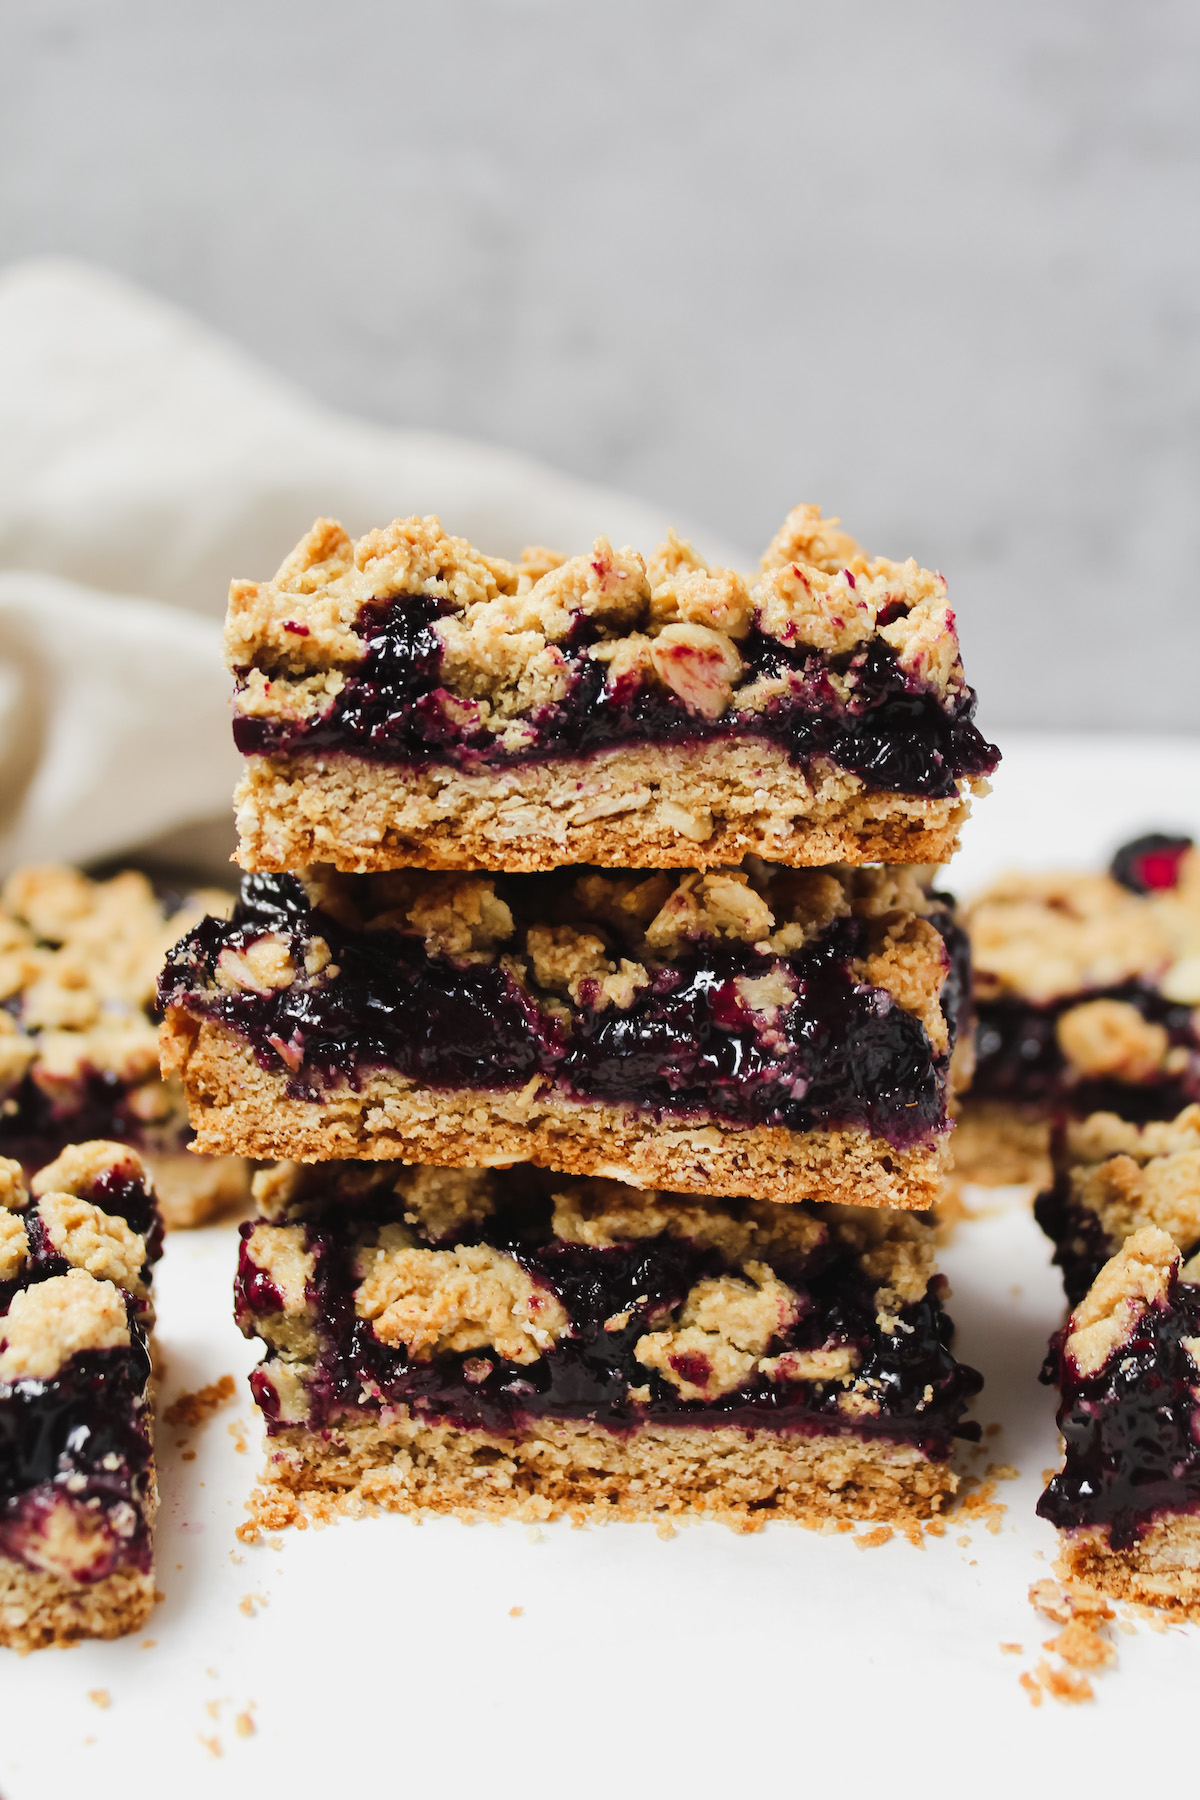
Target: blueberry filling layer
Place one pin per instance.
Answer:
(842, 1053)
(1018, 1059)
(1132, 1451)
(35, 1128)
(612, 1296)
(81, 1436)
(893, 733)
(1081, 1244)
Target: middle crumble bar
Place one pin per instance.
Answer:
(785, 1034)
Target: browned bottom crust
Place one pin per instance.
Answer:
(1161, 1569)
(38, 1609)
(572, 1467)
(236, 1106)
(646, 807)
(192, 1190)
(997, 1145)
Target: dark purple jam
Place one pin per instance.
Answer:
(1131, 1447)
(1081, 1244)
(1018, 1059)
(1150, 864)
(34, 1129)
(923, 1391)
(892, 732)
(843, 1054)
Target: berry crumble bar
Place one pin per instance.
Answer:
(1111, 1178)
(1127, 1499)
(472, 1340)
(779, 1033)
(1087, 995)
(79, 960)
(408, 701)
(77, 1486)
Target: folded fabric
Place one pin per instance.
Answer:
(140, 454)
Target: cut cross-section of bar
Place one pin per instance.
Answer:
(1127, 1499)
(79, 960)
(515, 1342)
(77, 1484)
(785, 1034)
(408, 701)
(1087, 990)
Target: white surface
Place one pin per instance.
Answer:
(786, 1662)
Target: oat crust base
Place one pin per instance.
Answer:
(999, 1146)
(239, 1108)
(649, 806)
(1161, 1569)
(580, 1469)
(39, 1610)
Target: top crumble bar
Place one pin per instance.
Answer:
(406, 701)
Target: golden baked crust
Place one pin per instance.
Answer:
(238, 1107)
(40, 1609)
(581, 1470)
(695, 806)
(998, 1145)
(1161, 1569)
(669, 622)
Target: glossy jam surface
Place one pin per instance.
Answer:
(922, 1390)
(893, 733)
(1132, 1451)
(842, 1053)
(1081, 1244)
(1150, 864)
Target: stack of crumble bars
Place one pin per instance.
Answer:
(588, 982)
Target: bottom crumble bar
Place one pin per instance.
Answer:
(475, 1341)
(77, 1484)
(1127, 1499)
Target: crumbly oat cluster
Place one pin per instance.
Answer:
(1046, 937)
(668, 621)
(77, 1490)
(79, 965)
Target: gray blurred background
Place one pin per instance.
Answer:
(933, 264)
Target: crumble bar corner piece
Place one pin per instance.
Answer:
(77, 1484)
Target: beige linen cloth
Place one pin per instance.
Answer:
(144, 462)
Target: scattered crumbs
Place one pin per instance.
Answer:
(1149, 1616)
(514, 1612)
(1127, 1626)
(911, 1529)
(665, 1530)
(188, 1456)
(247, 1532)
(963, 1542)
(211, 1744)
(237, 1432)
(935, 1527)
(194, 1409)
(1031, 1688)
(870, 1540)
(211, 1673)
(1013, 1649)
(845, 1525)
(213, 1708)
(993, 1430)
(973, 1564)
(235, 1558)
(534, 1535)
(1082, 1643)
(1001, 1472)
(148, 1643)
(249, 1602)
(984, 1505)
(100, 1697)
(159, 1596)
(244, 1725)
